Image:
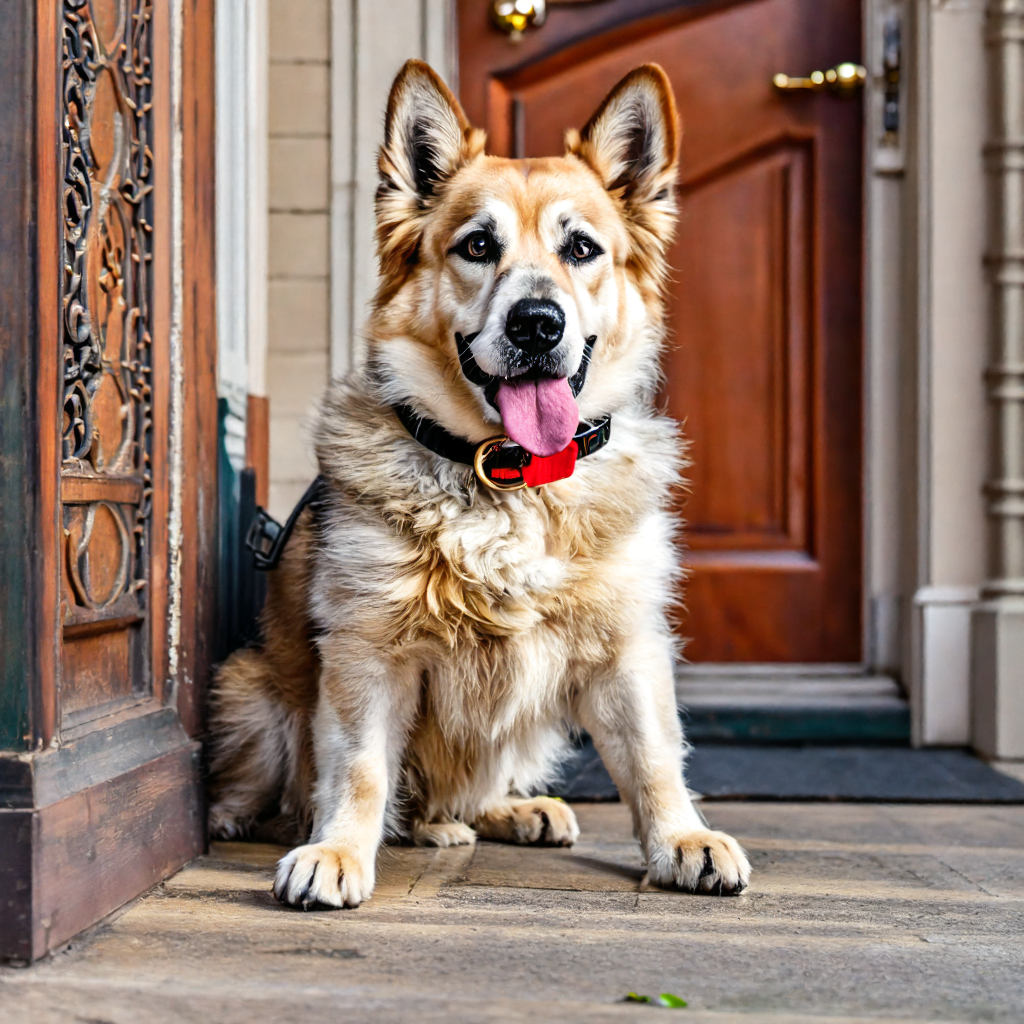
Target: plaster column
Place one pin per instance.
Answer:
(998, 623)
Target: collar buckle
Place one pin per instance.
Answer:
(497, 478)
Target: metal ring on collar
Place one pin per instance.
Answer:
(486, 449)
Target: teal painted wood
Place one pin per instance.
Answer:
(230, 541)
(798, 725)
(18, 422)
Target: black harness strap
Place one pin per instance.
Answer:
(266, 537)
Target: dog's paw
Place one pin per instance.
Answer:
(539, 820)
(442, 833)
(222, 824)
(322, 873)
(700, 861)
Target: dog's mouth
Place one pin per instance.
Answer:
(538, 409)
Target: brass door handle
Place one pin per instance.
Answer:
(843, 78)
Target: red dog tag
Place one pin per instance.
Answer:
(546, 469)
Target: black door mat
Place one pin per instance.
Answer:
(877, 774)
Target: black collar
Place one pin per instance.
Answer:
(497, 462)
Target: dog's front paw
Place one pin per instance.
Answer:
(699, 861)
(322, 873)
(539, 820)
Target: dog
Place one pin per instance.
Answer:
(490, 563)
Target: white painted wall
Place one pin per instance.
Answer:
(959, 293)
(241, 32)
(299, 258)
(331, 63)
(370, 42)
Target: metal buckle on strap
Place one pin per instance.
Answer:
(262, 539)
(497, 478)
(266, 537)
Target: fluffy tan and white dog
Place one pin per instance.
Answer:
(432, 635)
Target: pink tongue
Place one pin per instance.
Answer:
(540, 415)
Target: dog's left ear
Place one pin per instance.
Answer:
(424, 132)
(426, 139)
(632, 144)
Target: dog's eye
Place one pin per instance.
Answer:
(579, 249)
(582, 249)
(479, 247)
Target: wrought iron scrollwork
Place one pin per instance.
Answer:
(107, 211)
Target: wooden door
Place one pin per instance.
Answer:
(764, 363)
(109, 498)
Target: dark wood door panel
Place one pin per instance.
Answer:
(103, 672)
(740, 359)
(764, 361)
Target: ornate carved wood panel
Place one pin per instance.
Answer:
(107, 352)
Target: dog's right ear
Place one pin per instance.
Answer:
(426, 140)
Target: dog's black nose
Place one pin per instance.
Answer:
(535, 325)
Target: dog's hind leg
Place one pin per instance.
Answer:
(441, 833)
(536, 820)
(253, 745)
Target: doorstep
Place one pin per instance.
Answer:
(791, 704)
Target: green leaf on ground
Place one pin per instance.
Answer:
(666, 999)
(671, 1001)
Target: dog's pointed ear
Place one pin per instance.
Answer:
(424, 131)
(632, 144)
(426, 139)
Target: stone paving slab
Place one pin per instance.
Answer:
(856, 912)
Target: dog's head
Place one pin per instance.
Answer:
(523, 289)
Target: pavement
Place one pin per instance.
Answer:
(856, 912)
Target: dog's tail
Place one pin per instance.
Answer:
(258, 748)
(260, 755)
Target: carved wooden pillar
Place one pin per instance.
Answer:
(998, 629)
(107, 341)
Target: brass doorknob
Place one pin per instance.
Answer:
(843, 78)
(515, 16)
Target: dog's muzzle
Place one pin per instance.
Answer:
(473, 372)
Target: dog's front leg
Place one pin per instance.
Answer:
(631, 714)
(358, 735)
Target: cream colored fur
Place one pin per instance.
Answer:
(429, 643)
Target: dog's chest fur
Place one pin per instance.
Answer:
(488, 595)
